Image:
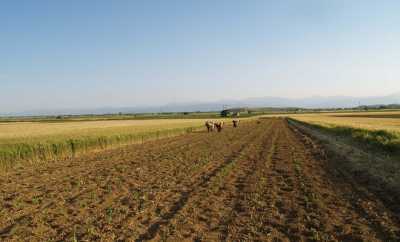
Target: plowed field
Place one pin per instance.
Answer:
(260, 182)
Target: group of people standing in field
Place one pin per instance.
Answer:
(218, 125)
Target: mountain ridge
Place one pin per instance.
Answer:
(252, 102)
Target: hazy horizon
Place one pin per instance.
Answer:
(124, 54)
(316, 101)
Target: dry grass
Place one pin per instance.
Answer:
(378, 130)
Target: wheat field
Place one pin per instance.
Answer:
(36, 142)
(16, 132)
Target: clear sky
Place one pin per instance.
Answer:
(68, 54)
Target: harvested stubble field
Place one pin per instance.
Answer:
(389, 121)
(379, 131)
(264, 181)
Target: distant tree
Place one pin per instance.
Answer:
(224, 113)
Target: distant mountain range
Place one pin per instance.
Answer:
(273, 102)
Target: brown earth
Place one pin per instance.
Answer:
(263, 181)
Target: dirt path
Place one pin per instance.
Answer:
(259, 182)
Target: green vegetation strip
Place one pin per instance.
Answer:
(387, 141)
(35, 152)
(110, 117)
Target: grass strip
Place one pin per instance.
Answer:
(382, 140)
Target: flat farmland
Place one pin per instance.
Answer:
(263, 181)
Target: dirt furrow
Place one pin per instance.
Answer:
(245, 220)
(194, 203)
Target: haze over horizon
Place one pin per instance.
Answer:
(120, 54)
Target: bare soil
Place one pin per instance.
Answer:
(263, 181)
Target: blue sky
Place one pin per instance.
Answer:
(79, 54)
